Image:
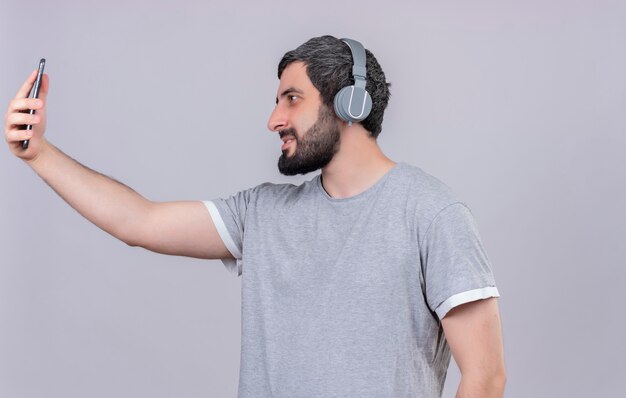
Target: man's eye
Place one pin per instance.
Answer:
(292, 98)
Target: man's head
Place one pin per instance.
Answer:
(310, 76)
(329, 67)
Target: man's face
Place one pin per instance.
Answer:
(309, 129)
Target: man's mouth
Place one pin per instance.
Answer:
(287, 140)
(286, 143)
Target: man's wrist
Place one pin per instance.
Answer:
(45, 147)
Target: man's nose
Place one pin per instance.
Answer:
(278, 119)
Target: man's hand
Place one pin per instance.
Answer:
(17, 117)
(474, 334)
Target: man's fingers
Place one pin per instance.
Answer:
(18, 135)
(26, 87)
(22, 104)
(17, 119)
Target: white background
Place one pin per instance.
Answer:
(518, 106)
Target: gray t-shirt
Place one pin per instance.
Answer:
(343, 297)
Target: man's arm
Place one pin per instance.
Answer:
(179, 228)
(474, 334)
(182, 228)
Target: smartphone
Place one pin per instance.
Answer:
(34, 93)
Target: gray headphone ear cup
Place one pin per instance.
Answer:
(342, 104)
(342, 101)
(368, 105)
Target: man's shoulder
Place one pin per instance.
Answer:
(427, 194)
(424, 185)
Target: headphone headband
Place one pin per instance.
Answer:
(353, 103)
(358, 58)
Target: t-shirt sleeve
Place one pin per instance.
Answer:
(229, 216)
(455, 266)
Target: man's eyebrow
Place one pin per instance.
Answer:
(288, 91)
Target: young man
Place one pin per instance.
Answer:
(359, 282)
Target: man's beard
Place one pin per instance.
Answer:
(315, 149)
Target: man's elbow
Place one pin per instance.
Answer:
(495, 383)
(131, 240)
(498, 381)
(130, 243)
(489, 384)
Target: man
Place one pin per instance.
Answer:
(359, 282)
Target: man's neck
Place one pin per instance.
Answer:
(357, 166)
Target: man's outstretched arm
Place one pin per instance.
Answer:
(178, 228)
(474, 334)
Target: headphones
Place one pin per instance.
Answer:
(353, 103)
